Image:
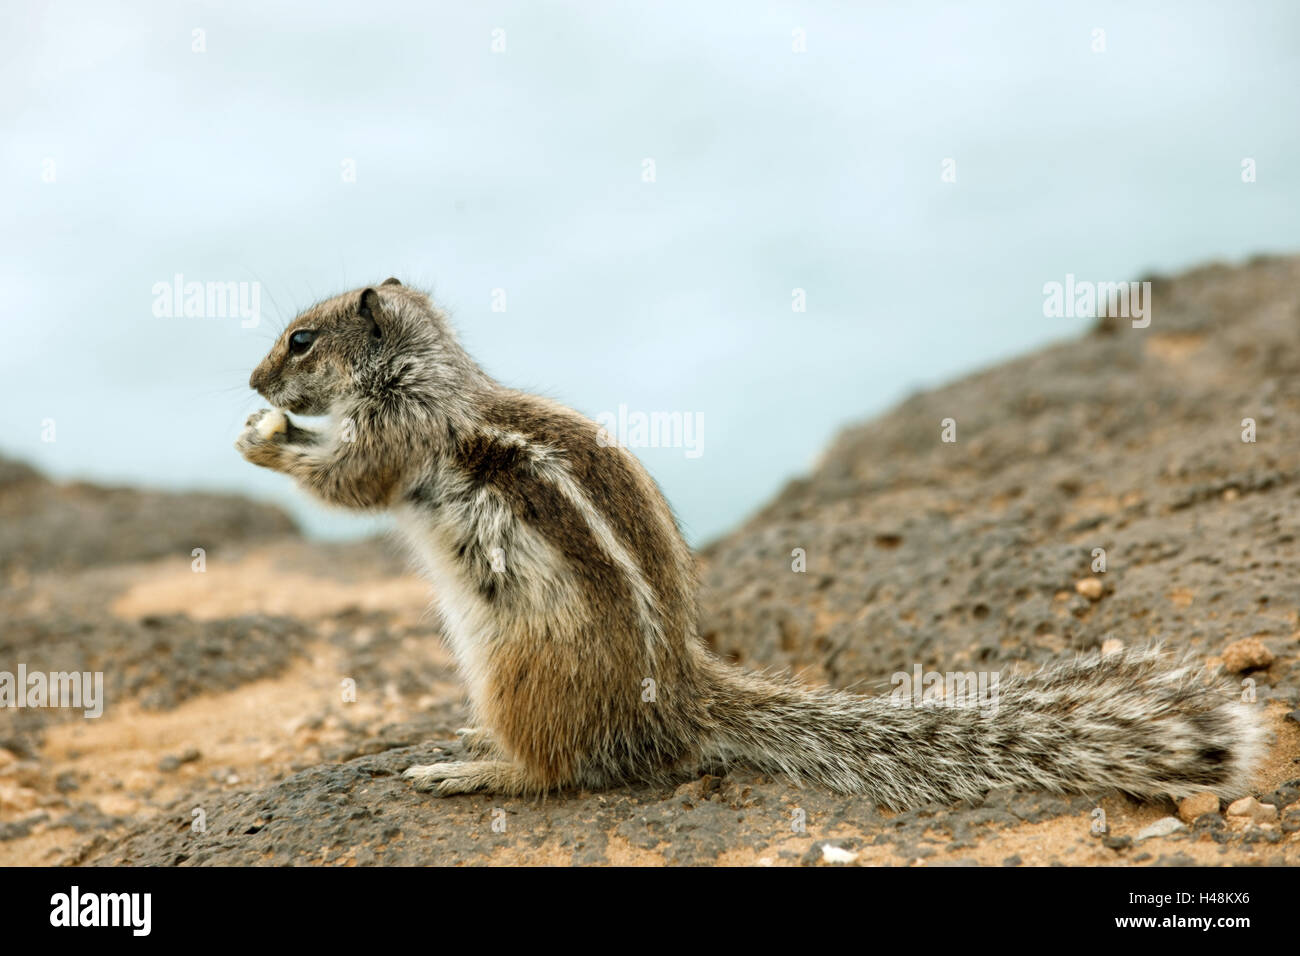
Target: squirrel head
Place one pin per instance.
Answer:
(384, 343)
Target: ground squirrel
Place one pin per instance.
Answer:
(565, 586)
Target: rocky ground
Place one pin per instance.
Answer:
(229, 735)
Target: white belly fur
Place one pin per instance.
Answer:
(467, 620)
(472, 627)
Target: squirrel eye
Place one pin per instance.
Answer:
(301, 341)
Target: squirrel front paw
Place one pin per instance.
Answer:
(262, 431)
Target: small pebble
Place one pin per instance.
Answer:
(1162, 827)
(1245, 655)
(835, 854)
(1090, 588)
(1251, 809)
(172, 763)
(1194, 806)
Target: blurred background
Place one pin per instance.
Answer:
(919, 171)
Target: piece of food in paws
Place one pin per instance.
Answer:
(272, 423)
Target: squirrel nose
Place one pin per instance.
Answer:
(256, 380)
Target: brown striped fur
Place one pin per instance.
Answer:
(567, 591)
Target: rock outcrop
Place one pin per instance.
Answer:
(1098, 493)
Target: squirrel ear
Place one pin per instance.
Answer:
(368, 308)
(390, 281)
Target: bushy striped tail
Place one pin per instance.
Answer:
(1135, 721)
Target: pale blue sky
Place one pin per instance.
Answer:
(522, 170)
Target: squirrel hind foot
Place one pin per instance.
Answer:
(471, 776)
